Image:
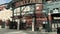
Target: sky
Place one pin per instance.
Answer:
(4, 1)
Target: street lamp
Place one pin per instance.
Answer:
(48, 23)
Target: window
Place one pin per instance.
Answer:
(55, 10)
(22, 8)
(15, 11)
(18, 9)
(27, 9)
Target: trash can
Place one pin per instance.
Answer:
(58, 30)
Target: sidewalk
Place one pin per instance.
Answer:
(12, 31)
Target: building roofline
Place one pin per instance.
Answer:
(4, 4)
(13, 1)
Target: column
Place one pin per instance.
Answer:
(18, 24)
(33, 20)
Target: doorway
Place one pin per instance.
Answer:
(55, 21)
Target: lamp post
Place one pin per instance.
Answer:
(48, 24)
(34, 18)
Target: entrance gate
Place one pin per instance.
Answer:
(55, 21)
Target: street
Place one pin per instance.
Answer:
(12, 31)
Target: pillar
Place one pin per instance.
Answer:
(18, 22)
(33, 24)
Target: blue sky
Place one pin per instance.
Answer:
(4, 1)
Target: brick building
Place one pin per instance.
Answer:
(32, 12)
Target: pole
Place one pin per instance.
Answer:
(34, 19)
(33, 24)
(18, 24)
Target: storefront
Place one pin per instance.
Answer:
(53, 12)
(55, 21)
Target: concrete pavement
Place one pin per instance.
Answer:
(12, 31)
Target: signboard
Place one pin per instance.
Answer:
(56, 17)
(23, 2)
